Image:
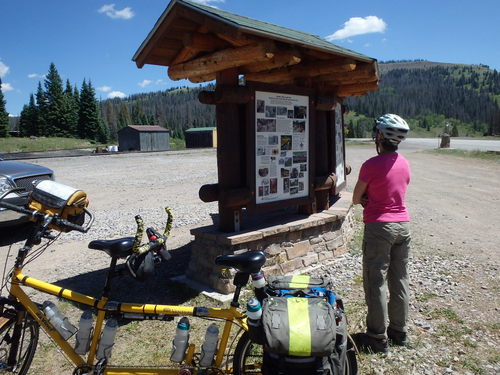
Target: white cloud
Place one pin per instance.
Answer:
(209, 2)
(145, 83)
(36, 75)
(359, 26)
(4, 69)
(7, 87)
(104, 88)
(110, 11)
(116, 94)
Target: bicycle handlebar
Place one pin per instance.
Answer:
(156, 240)
(36, 215)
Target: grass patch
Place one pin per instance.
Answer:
(453, 332)
(354, 142)
(177, 144)
(425, 297)
(445, 313)
(14, 144)
(472, 364)
(356, 244)
(475, 154)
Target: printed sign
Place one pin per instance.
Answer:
(282, 146)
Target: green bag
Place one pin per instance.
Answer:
(298, 326)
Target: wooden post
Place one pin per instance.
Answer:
(229, 153)
(321, 157)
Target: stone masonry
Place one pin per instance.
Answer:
(290, 247)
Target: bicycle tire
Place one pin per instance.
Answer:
(351, 363)
(247, 356)
(28, 340)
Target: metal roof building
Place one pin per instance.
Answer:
(143, 138)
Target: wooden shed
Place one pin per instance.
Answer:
(278, 99)
(143, 138)
(201, 137)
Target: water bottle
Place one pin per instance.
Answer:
(107, 339)
(259, 283)
(181, 340)
(209, 347)
(82, 343)
(254, 312)
(58, 320)
(258, 280)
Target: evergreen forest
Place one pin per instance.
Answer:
(463, 99)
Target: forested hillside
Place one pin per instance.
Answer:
(429, 95)
(176, 109)
(432, 95)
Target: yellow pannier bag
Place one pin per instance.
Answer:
(53, 198)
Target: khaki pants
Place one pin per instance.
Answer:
(386, 248)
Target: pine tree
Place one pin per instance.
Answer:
(41, 105)
(88, 114)
(56, 118)
(69, 113)
(4, 116)
(124, 118)
(28, 119)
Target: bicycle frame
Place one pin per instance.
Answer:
(103, 305)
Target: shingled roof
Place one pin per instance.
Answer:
(197, 41)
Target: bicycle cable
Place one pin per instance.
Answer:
(4, 282)
(34, 255)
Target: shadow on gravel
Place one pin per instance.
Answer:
(159, 289)
(13, 234)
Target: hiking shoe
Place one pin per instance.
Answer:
(397, 337)
(370, 344)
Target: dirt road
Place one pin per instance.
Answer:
(454, 204)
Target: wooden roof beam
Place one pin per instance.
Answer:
(282, 57)
(351, 90)
(203, 42)
(302, 71)
(222, 60)
(362, 71)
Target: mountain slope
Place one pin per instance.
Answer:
(423, 90)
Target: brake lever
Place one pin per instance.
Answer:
(161, 251)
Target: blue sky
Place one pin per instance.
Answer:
(96, 39)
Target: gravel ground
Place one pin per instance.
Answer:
(454, 313)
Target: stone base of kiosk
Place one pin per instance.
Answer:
(298, 242)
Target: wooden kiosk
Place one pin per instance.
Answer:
(280, 132)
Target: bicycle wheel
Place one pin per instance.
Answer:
(247, 356)
(351, 363)
(17, 343)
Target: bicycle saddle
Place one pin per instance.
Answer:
(119, 248)
(249, 262)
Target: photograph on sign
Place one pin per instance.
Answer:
(282, 146)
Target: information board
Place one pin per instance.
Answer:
(282, 146)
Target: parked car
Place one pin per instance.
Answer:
(15, 174)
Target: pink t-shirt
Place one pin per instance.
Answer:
(387, 176)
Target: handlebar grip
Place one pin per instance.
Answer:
(70, 225)
(170, 219)
(19, 209)
(138, 233)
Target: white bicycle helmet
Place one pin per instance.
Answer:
(392, 127)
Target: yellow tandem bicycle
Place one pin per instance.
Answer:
(21, 317)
